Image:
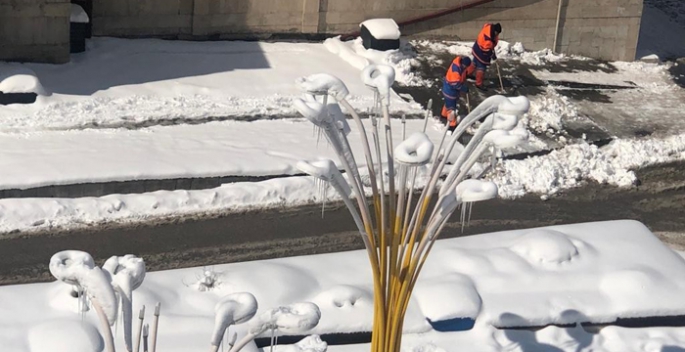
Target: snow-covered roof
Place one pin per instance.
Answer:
(382, 28)
(78, 14)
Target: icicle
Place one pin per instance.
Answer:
(468, 222)
(463, 217)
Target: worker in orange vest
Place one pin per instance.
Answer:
(452, 87)
(484, 51)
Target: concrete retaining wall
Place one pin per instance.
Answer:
(34, 30)
(605, 29)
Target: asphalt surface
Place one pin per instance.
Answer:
(658, 201)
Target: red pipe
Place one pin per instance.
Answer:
(427, 17)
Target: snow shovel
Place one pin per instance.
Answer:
(501, 85)
(468, 103)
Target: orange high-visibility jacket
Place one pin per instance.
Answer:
(456, 76)
(484, 47)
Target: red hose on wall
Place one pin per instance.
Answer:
(428, 17)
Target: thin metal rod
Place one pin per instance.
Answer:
(141, 317)
(155, 324)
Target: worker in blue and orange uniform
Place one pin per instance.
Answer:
(452, 87)
(484, 51)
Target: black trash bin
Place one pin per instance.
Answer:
(78, 29)
(380, 34)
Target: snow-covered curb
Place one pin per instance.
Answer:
(561, 169)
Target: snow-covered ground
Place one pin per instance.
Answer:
(121, 82)
(229, 148)
(133, 73)
(593, 272)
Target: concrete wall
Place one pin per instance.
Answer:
(34, 30)
(604, 29)
(608, 29)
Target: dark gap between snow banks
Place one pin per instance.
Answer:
(465, 324)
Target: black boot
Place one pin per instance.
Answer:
(482, 88)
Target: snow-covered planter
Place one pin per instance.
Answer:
(399, 231)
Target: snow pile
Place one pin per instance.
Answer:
(549, 111)
(382, 28)
(570, 166)
(560, 274)
(21, 80)
(403, 60)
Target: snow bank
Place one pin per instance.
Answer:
(549, 111)
(21, 80)
(119, 82)
(570, 166)
(232, 148)
(403, 60)
(561, 169)
(560, 274)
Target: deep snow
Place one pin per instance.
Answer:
(120, 82)
(572, 273)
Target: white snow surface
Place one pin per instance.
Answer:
(20, 80)
(121, 81)
(561, 274)
(565, 168)
(230, 148)
(382, 28)
(78, 14)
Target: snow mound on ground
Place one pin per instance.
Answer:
(545, 247)
(403, 60)
(342, 296)
(430, 295)
(570, 166)
(547, 112)
(65, 335)
(21, 80)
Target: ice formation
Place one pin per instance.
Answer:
(379, 78)
(476, 190)
(416, 150)
(312, 343)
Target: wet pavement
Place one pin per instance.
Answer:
(181, 242)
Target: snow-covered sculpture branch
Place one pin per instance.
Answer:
(235, 308)
(78, 268)
(126, 274)
(298, 317)
(401, 232)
